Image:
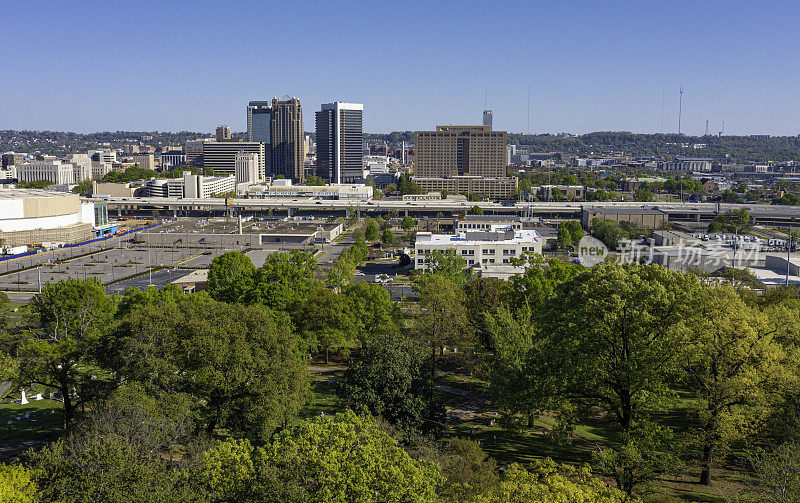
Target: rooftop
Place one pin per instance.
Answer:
(472, 238)
(6, 194)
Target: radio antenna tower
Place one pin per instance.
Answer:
(706, 128)
(680, 110)
(529, 109)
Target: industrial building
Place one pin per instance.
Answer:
(650, 218)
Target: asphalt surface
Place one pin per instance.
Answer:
(158, 279)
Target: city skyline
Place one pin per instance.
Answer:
(589, 68)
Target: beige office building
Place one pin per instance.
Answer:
(460, 150)
(486, 187)
(145, 161)
(288, 139)
(223, 133)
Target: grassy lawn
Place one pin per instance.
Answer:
(324, 399)
(45, 420)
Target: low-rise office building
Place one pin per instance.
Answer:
(171, 160)
(560, 192)
(490, 188)
(221, 156)
(688, 164)
(498, 245)
(55, 171)
(145, 161)
(284, 188)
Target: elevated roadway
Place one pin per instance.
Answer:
(766, 214)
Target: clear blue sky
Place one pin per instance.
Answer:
(170, 65)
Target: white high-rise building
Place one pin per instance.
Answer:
(247, 167)
(52, 170)
(108, 156)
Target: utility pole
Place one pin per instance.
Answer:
(789, 256)
(680, 110)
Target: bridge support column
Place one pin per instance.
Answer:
(119, 211)
(174, 212)
(289, 212)
(406, 211)
(698, 217)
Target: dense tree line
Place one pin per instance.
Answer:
(177, 397)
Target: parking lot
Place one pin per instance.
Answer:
(108, 265)
(158, 279)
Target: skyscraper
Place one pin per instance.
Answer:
(223, 133)
(487, 118)
(287, 138)
(340, 140)
(259, 118)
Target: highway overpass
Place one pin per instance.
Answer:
(687, 212)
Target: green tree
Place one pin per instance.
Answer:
(343, 458)
(84, 188)
(242, 365)
(609, 232)
(446, 263)
(315, 180)
(122, 453)
(324, 321)
(36, 184)
(467, 469)
(778, 472)
(575, 230)
(484, 296)
(407, 223)
(388, 238)
(391, 381)
(549, 482)
(407, 186)
(284, 280)
(538, 283)
(372, 310)
(371, 232)
(443, 319)
(564, 238)
(60, 350)
(610, 339)
(17, 484)
(230, 277)
(475, 210)
(645, 452)
(735, 365)
(643, 194)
